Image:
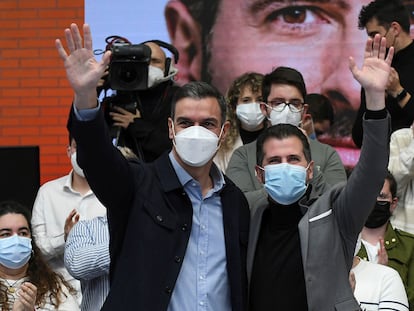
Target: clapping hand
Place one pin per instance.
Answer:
(70, 221)
(26, 297)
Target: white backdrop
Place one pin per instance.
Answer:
(127, 18)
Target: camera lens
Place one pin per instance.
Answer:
(127, 73)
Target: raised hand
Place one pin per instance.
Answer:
(82, 69)
(374, 73)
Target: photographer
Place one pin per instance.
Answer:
(138, 117)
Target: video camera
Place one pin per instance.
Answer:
(127, 73)
(128, 68)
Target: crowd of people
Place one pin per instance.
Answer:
(224, 202)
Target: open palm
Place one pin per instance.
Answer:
(82, 69)
(374, 73)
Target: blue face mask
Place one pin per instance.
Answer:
(285, 183)
(15, 251)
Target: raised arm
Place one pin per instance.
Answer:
(356, 200)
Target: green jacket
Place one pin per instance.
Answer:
(400, 249)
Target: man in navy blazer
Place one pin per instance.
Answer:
(178, 227)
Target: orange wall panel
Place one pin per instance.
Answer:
(35, 96)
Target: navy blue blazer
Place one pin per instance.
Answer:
(150, 218)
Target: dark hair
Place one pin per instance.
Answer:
(386, 12)
(393, 184)
(281, 131)
(199, 90)
(48, 283)
(205, 14)
(283, 75)
(319, 107)
(13, 207)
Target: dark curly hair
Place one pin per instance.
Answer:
(250, 79)
(386, 12)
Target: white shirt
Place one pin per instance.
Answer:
(401, 165)
(372, 251)
(379, 287)
(54, 201)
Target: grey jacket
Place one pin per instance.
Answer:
(331, 223)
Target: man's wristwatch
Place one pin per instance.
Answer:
(401, 95)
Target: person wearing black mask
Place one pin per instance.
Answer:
(383, 244)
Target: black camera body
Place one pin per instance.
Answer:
(128, 69)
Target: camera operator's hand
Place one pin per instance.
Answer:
(104, 78)
(122, 117)
(82, 69)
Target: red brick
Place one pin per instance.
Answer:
(20, 14)
(21, 92)
(19, 53)
(8, 4)
(8, 24)
(22, 131)
(9, 141)
(8, 83)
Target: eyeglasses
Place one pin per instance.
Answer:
(279, 104)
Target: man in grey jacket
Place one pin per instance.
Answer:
(302, 241)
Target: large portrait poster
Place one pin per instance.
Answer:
(219, 40)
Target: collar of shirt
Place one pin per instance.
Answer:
(185, 178)
(68, 185)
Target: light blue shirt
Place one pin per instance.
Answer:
(86, 114)
(203, 281)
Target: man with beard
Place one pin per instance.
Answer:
(383, 244)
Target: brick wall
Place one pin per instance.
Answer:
(34, 94)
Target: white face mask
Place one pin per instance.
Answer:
(196, 145)
(75, 165)
(285, 116)
(155, 76)
(250, 115)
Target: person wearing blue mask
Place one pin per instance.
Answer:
(26, 281)
(302, 241)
